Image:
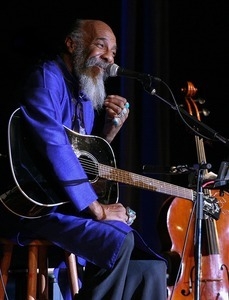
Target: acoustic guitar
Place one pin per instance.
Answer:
(34, 196)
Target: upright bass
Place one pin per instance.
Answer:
(179, 216)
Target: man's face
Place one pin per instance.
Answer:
(91, 59)
(97, 49)
(100, 44)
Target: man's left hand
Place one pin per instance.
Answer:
(117, 111)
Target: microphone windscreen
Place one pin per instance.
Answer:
(112, 70)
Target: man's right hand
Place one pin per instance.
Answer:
(114, 211)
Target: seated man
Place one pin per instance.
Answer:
(66, 92)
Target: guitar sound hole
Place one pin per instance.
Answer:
(90, 166)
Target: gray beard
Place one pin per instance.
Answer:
(94, 89)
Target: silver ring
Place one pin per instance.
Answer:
(131, 215)
(117, 121)
(124, 111)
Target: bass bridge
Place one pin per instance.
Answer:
(211, 206)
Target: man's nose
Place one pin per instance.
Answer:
(108, 56)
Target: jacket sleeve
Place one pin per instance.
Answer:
(45, 109)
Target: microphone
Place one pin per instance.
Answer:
(114, 70)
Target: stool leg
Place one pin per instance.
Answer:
(32, 272)
(43, 273)
(72, 273)
(5, 265)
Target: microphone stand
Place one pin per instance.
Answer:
(147, 83)
(198, 233)
(147, 86)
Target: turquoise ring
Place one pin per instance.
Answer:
(131, 215)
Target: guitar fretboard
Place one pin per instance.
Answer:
(143, 182)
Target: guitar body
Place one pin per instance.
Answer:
(34, 195)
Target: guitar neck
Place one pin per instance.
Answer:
(143, 182)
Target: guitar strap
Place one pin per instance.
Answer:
(79, 117)
(73, 182)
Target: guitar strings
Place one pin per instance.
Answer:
(93, 168)
(89, 166)
(118, 175)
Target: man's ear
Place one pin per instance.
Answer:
(70, 45)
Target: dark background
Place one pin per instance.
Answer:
(178, 41)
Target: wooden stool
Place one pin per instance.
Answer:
(37, 280)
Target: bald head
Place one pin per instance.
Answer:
(94, 29)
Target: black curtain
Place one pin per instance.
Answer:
(145, 136)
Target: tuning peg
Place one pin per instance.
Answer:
(200, 100)
(205, 112)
